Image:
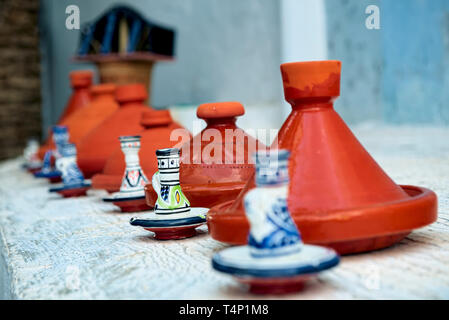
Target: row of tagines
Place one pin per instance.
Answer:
(337, 195)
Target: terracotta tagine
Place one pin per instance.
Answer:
(80, 80)
(173, 217)
(131, 197)
(158, 126)
(275, 261)
(101, 142)
(338, 195)
(212, 169)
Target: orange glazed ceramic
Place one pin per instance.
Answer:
(96, 147)
(212, 169)
(80, 80)
(158, 126)
(338, 195)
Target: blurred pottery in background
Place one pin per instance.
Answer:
(338, 195)
(60, 137)
(173, 217)
(80, 80)
(32, 163)
(158, 126)
(131, 197)
(74, 184)
(275, 261)
(215, 171)
(97, 146)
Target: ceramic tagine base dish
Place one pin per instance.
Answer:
(173, 218)
(77, 190)
(131, 197)
(275, 261)
(339, 196)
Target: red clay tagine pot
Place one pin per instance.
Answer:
(338, 195)
(100, 143)
(212, 169)
(158, 126)
(80, 80)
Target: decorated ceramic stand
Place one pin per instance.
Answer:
(339, 196)
(275, 261)
(131, 197)
(172, 218)
(32, 163)
(60, 137)
(74, 184)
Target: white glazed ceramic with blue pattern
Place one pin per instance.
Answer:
(66, 164)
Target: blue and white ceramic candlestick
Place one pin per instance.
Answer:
(31, 160)
(275, 259)
(72, 177)
(173, 218)
(60, 138)
(131, 196)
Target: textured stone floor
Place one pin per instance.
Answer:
(54, 248)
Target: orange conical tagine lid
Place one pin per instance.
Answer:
(216, 163)
(80, 81)
(95, 148)
(158, 127)
(338, 195)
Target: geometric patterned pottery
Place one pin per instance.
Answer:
(172, 218)
(158, 126)
(275, 261)
(208, 180)
(338, 195)
(97, 146)
(80, 81)
(60, 138)
(74, 184)
(131, 197)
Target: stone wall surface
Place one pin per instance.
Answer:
(20, 113)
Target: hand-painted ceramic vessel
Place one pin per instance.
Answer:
(74, 184)
(339, 196)
(60, 138)
(275, 260)
(158, 127)
(81, 81)
(32, 163)
(131, 196)
(214, 170)
(173, 218)
(101, 142)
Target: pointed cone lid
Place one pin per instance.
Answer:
(338, 194)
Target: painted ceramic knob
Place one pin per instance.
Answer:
(173, 218)
(60, 137)
(73, 180)
(131, 196)
(275, 260)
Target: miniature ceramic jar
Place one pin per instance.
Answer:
(275, 260)
(170, 198)
(173, 217)
(339, 196)
(131, 196)
(32, 163)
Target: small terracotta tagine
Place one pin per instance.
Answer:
(173, 217)
(95, 148)
(338, 195)
(158, 127)
(80, 80)
(60, 138)
(215, 164)
(74, 184)
(275, 261)
(131, 197)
